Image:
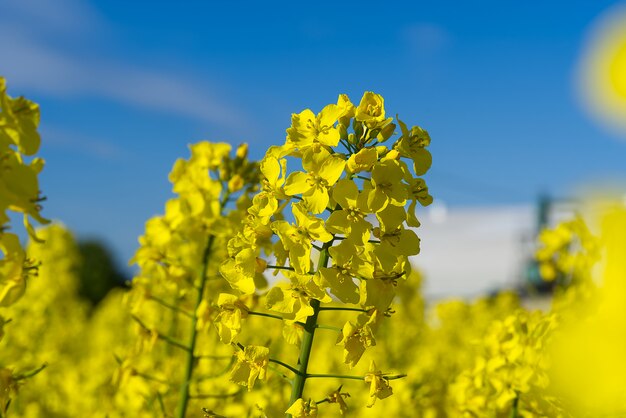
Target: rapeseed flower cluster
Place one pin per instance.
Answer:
(284, 287)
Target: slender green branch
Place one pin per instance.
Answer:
(215, 395)
(347, 145)
(267, 315)
(170, 306)
(30, 373)
(213, 357)
(334, 376)
(152, 378)
(330, 327)
(317, 247)
(280, 267)
(161, 404)
(280, 373)
(285, 365)
(183, 401)
(160, 336)
(363, 178)
(338, 308)
(340, 376)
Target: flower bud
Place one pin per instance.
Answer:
(261, 265)
(386, 132)
(235, 184)
(391, 155)
(242, 151)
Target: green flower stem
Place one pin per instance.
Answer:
(152, 378)
(307, 338)
(514, 408)
(337, 308)
(285, 365)
(30, 373)
(215, 395)
(334, 376)
(340, 376)
(214, 357)
(163, 337)
(280, 373)
(329, 327)
(183, 401)
(170, 306)
(267, 315)
(280, 267)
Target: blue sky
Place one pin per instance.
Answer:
(124, 86)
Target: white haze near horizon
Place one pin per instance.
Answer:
(470, 251)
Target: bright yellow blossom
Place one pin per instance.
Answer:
(379, 386)
(297, 238)
(306, 128)
(322, 172)
(302, 409)
(251, 363)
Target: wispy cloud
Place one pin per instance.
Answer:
(58, 16)
(78, 143)
(32, 59)
(426, 37)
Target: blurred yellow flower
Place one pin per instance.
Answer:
(603, 69)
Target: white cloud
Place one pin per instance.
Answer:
(53, 16)
(75, 142)
(30, 59)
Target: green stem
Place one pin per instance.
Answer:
(160, 336)
(215, 395)
(181, 409)
(285, 365)
(330, 327)
(334, 376)
(514, 408)
(337, 308)
(280, 267)
(340, 376)
(30, 373)
(267, 315)
(307, 338)
(170, 306)
(152, 378)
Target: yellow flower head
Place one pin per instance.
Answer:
(302, 409)
(379, 386)
(251, 363)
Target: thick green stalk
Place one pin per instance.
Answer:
(183, 401)
(307, 338)
(514, 408)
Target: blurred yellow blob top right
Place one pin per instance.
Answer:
(602, 70)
